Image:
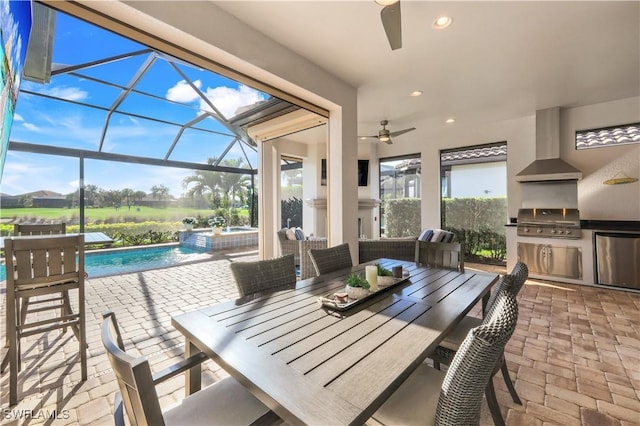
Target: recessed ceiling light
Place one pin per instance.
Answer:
(416, 93)
(386, 2)
(442, 22)
(450, 120)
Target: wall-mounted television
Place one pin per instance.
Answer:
(16, 27)
(363, 172)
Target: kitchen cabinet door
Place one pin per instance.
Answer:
(564, 262)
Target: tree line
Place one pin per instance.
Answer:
(203, 189)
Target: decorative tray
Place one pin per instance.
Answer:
(330, 300)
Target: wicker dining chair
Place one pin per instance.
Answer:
(430, 396)
(440, 255)
(264, 275)
(45, 270)
(331, 259)
(226, 402)
(307, 270)
(445, 352)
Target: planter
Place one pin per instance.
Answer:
(385, 280)
(356, 292)
(188, 226)
(216, 230)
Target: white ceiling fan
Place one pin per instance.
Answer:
(384, 135)
(391, 21)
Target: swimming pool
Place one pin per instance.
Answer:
(121, 261)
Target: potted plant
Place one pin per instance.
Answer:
(357, 287)
(385, 276)
(216, 224)
(189, 222)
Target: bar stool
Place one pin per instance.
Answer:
(43, 266)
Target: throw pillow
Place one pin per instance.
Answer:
(438, 235)
(291, 234)
(299, 234)
(426, 235)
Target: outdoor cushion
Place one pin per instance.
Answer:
(299, 234)
(426, 234)
(438, 235)
(291, 234)
(448, 237)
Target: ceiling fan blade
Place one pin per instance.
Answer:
(368, 137)
(392, 24)
(402, 132)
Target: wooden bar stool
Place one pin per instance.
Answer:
(40, 267)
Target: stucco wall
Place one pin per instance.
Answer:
(596, 201)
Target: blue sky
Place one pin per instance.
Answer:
(49, 122)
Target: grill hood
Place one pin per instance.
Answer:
(548, 166)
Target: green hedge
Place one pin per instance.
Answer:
(402, 217)
(476, 213)
(479, 223)
(485, 242)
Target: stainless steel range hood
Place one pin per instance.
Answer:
(548, 165)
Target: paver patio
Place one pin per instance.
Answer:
(575, 356)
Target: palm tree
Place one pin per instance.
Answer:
(221, 189)
(205, 184)
(234, 186)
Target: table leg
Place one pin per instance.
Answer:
(193, 377)
(485, 301)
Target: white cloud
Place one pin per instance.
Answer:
(31, 127)
(17, 117)
(227, 100)
(183, 92)
(68, 93)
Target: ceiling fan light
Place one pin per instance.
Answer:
(386, 2)
(384, 138)
(442, 22)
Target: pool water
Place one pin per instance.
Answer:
(114, 262)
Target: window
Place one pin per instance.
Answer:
(474, 198)
(608, 136)
(400, 194)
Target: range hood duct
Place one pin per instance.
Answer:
(548, 166)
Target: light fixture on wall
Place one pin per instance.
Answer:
(617, 179)
(386, 2)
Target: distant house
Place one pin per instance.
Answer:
(41, 198)
(51, 201)
(9, 201)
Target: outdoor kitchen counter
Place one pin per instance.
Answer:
(611, 225)
(584, 243)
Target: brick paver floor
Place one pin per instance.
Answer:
(574, 358)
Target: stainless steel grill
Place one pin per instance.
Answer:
(549, 223)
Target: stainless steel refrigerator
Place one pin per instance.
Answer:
(618, 259)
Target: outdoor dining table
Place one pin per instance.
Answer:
(314, 365)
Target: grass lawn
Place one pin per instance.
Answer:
(123, 214)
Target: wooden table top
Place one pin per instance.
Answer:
(312, 365)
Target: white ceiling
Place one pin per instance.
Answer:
(498, 60)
